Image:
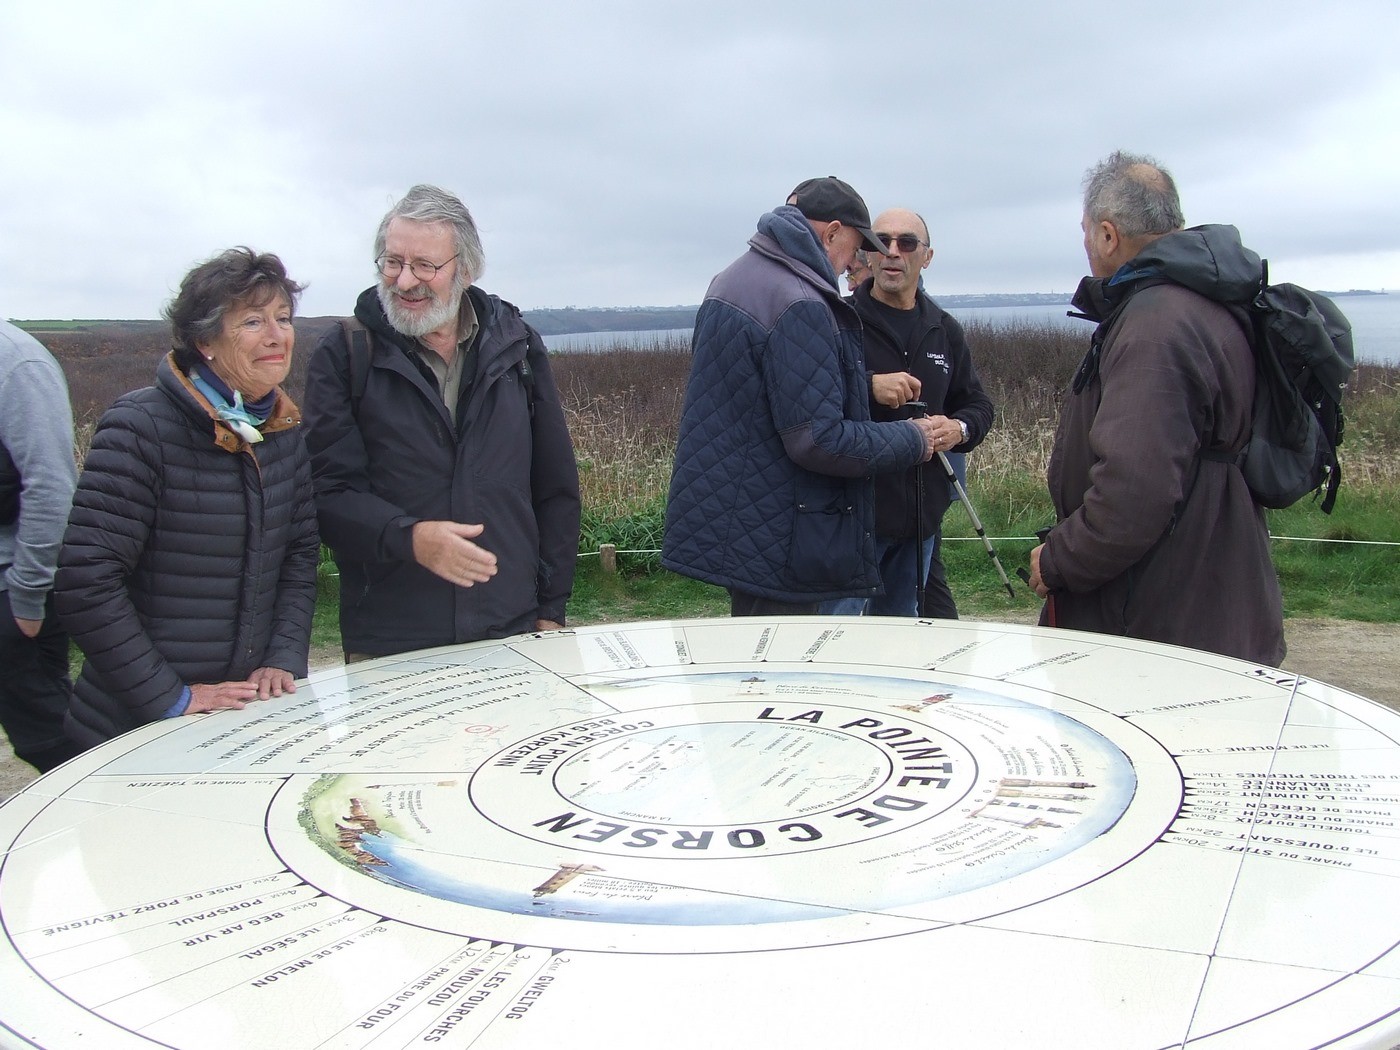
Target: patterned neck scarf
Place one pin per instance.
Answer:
(242, 418)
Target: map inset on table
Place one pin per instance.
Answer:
(816, 832)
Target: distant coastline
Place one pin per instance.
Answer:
(571, 320)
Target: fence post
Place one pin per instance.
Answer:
(607, 557)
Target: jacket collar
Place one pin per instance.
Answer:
(930, 315)
(499, 326)
(173, 380)
(1208, 259)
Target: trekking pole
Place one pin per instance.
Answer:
(976, 521)
(917, 410)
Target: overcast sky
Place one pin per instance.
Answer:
(619, 153)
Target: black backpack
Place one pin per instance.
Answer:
(1303, 359)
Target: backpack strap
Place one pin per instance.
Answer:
(359, 350)
(535, 345)
(359, 344)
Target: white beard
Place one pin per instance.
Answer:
(416, 325)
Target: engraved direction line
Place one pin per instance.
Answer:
(312, 952)
(386, 1011)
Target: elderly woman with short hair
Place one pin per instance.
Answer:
(188, 571)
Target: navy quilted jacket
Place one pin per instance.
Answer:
(771, 493)
(190, 555)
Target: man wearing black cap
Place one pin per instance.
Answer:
(771, 494)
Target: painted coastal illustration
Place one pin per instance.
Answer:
(743, 809)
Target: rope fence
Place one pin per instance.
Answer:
(608, 553)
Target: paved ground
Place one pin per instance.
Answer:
(1361, 657)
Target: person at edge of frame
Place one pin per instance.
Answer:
(37, 475)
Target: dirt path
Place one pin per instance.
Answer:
(1363, 658)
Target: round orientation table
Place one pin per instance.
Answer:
(806, 832)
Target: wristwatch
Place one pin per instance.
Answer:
(963, 427)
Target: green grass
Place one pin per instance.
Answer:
(1010, 507)
(634, 593)
(325, 622)
(1341, 580)
(631, 530)
(1347, 581)
(49, 325)
(1337, 581)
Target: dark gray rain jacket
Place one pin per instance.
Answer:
(396, 458)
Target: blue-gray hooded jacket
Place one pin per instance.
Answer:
(771, 493)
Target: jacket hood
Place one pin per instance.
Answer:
(1206, 259)
(788, 227)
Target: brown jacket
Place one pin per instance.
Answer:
(1152, 541)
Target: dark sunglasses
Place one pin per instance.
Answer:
(907, 242)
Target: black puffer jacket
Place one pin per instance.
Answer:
(190, 555)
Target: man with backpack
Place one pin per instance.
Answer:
(1158, 535)
(446, 485)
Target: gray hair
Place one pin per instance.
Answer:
(429, 204)
(238, 276)
(1133, 192)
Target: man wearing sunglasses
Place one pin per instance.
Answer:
(914, 353)
(771, 493)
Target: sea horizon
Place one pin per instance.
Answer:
(1374, 317)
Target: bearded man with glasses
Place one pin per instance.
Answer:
(446, 485)
(915, 354)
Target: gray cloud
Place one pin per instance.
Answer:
(619, 153)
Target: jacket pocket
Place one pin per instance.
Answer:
(826, 552)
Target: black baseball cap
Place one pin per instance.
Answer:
(828, 199)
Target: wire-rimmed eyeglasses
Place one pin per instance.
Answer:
(391, 266)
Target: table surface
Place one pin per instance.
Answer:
(814, 832)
